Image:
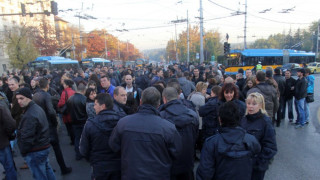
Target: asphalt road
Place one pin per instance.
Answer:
(298, 156)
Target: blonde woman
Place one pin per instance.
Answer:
(257, 123)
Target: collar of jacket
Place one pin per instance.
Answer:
(29, 105)
(252, 117)
(176, 101)
(149, 109)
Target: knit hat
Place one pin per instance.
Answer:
(269, 73)
(24, 92)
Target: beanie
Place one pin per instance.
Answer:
(24, 92)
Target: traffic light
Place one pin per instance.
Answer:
(225, 48)
(23, 9)
(228, 48)
(54, 8)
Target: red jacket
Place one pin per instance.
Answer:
(62, 101)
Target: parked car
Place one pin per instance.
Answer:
(293, 67)
(314, 67)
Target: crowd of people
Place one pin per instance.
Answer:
(149, 122)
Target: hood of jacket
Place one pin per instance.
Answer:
(148, 109)
(106, 120)
(232, 135)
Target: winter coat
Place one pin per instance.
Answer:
(94, 140)
(209, 114)
(260, 126)
(198, 100)
(288, 93)
(109, 90)
(300, 88)
(33, 130)
(240, 104)
(187, 123)
(310, 80)
(91, 112)
(186, 86)
(228, 155)
(148, 144)
(77, 108)
(281, 83)
(66, 92)
(7, 126)
(119, 109)
(270, 97)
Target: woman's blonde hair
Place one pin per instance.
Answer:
(201, 85)
(258, 98)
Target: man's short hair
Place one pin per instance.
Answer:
(277, 71)
(179, 74)
(170, 93)
(117, 89)
(229, 114)
(151, 96)
(43, 83)
(174, 84)
(308, 70)
(81, 87)
(104, 98)
(68, 82)
(14, 79)
(216, 90)
(105, 77)
(261, 76)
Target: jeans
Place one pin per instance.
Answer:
(290, 109)
(300, 111)
(7, 163)
(77, 130)
(307, 110)
(38, 163)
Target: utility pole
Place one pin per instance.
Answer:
(128, 49)
(245, 27)
(188, 41)
(317, 50)
(118, 49)
(80, 32)
(105, 44)
(177, 56)
(201, 34)
(73, 48)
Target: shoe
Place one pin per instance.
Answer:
(290, 120)
(68, 170)
(307, 122)
(298, 126)
(24, 166)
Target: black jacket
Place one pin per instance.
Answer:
(187, 124)
(260, 126)
(120, 109)
(148, 144)
(227, 155)
(77, 108)
(288, 93)
(95, 137)
(281, 83)
(7, 125)
(241, 83)
(300, 88)
(43, 99)
(209, 114)
(33, 130)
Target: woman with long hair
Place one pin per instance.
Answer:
(90, 93)
(230, 92)
(259, 124)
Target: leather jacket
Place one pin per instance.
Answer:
(77, 108)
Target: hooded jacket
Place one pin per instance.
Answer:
(186, 86)
(186, 122)
(94, 144)
(209, 114)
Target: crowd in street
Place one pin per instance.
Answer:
(148, 122)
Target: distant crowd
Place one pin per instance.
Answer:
(149, 122)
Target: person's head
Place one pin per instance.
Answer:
(91, 93)
(169, 94)
(81, 88)
(24, 97)
(33, 83)
(301, 72)
(67, 83)
(151, 96)
(175, 84)
(228, 92)
(196, 72)
(240, 71)
(229, 115)
(44, 83)
(92, 84)
(229, 79)
(159, 72)
(120, 95)
(308, 71)
(128, 80)
(239, 76)
(277, 71)
(13, 84)
(287, 74)
(255, 103)
(102, 102)
(215, 91)
(201, 87)
(251, 81)
(260, 77)
(248, 73)
(105, 82)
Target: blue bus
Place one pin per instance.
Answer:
(53, 63)
(94, 62)
(249, 58)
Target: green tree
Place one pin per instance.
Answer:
(20, 46)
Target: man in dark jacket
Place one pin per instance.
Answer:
(95, 137)
(148, 143)
(43, 99)
(33, 136)
(197, 77)
(77, 107)
(130, 87)
(228, 154)
(288, 96)
(281, 86)
(300, 94)
(186, 85)
(120, 100)
(7, 128)
(187, 124)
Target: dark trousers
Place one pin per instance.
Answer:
(288, 102)
(77, 129)
(279, 112)
(54, 141)
(100, 172)
(70, 132)
(183, 176)
(257, 175)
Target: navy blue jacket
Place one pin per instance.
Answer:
(261, 127)
(95, 137)
(187, 123)
(241, 106)
(148, 144)
(209, 114)
(228, 155)
(119, 109)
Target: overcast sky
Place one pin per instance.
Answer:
(149, 27)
